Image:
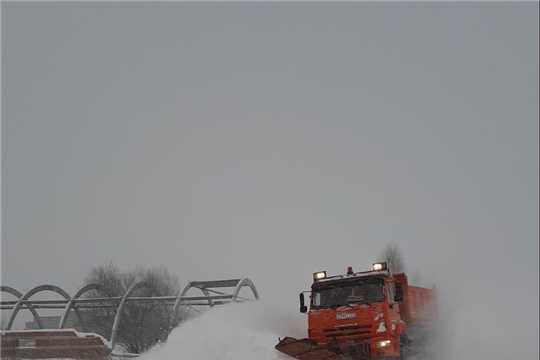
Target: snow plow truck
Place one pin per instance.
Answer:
(364, 315)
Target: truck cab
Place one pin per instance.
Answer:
(356, 314)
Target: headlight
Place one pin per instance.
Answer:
(380, 266)
(319, 275)
(383, 343)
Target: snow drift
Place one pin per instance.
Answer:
(241, 331)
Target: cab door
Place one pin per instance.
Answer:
(393, 312)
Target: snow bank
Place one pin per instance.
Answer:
(241, 331)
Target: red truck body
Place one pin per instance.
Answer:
(365, 315)
(419, 305)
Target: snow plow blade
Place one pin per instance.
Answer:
(306, 349)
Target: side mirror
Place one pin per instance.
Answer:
(303, 307)
(399, 293)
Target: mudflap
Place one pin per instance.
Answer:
(306, 349)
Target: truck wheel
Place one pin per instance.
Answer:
(404, 347)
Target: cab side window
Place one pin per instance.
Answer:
(391, 292)
(399, 292)
(317, 299)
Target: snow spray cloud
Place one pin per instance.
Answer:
(243, 331)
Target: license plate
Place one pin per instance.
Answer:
(345, 316)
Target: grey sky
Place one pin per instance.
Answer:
(272, 140)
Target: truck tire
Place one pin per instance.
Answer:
(405, 349)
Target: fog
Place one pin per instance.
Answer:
(269, 141)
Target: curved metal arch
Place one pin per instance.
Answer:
(16, 293)
(71, 301)
(132, 289)
(183, 293)
(31, 292)
(10, 290)
(245, 282)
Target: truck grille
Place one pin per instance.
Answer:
(353, 331)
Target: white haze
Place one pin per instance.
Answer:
(272, 140)
(233, 332)
(251, 330)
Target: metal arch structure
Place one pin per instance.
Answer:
(244, 282)
(186, 289)
(31, 292)
(179, 299)
(130, 291)
(16, 293)
(210, 296)
(71, 302)
(208, 287)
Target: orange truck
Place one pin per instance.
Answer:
(364, 315)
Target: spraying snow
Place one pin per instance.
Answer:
(250, 330)
(242, 331)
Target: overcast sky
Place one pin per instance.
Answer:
(271, 140)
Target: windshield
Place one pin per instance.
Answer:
(347, 292)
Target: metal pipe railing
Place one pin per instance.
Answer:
(210, 297)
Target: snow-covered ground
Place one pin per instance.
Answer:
(242, 331)
(249, 331)
(239, 331)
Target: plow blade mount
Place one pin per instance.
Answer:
(306, 349)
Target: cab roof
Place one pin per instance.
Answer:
(382, 274)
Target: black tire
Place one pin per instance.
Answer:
(405, 348)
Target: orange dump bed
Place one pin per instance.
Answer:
(419, 304)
